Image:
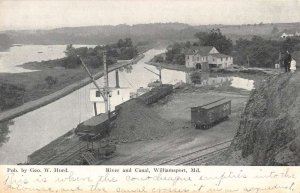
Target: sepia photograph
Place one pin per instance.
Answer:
(150, 83)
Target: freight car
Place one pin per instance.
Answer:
(95, 127)
(156, 93)
(207, 115)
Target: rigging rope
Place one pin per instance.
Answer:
(127, 80)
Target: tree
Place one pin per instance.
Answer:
(128, 42)
(188, 44)
(50, 81)
(275, 30)
(172, 51)
(120, 43)
(4, 131)
(70, 50)
(216, 39)
(158, 59)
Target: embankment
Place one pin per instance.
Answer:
(269, 130)
(35, 104)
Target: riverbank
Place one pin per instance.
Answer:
(38, 93)
(169, 66)
(234, 69)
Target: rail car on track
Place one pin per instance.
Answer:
(207, 115)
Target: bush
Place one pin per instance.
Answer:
(196, 77)
(50, 81)
(11, 95)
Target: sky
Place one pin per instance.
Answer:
(47, 14)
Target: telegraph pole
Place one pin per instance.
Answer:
(106, 85)
(248, 62)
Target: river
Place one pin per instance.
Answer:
(20, 54)
(33, 130)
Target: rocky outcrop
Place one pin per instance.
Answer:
(269, 125)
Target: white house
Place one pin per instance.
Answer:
(285, 35)
(220, 60)
(289, 33)
(203, 57)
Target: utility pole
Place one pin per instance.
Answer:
(117, 79)
(248, 62)
(279, 59)
(106, 84)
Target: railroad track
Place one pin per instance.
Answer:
(199, 156)
(63, 156)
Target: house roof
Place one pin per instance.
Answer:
(218, 55)
(202, 50)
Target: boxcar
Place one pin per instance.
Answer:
(207, 115)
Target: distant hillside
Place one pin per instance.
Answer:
(144, 33)
(100, 34)
(5, 41)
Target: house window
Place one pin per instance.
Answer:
(221, 59)
(213, 59)
(226, 58)
(188, 57)
(97, 93)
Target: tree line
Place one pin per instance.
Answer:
(259, 52)
(122, 50)
(256, 52)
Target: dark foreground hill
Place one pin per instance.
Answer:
(269, 130)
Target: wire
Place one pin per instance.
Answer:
(127, 80)
(79, 98)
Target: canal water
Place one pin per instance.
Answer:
(29, 132)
